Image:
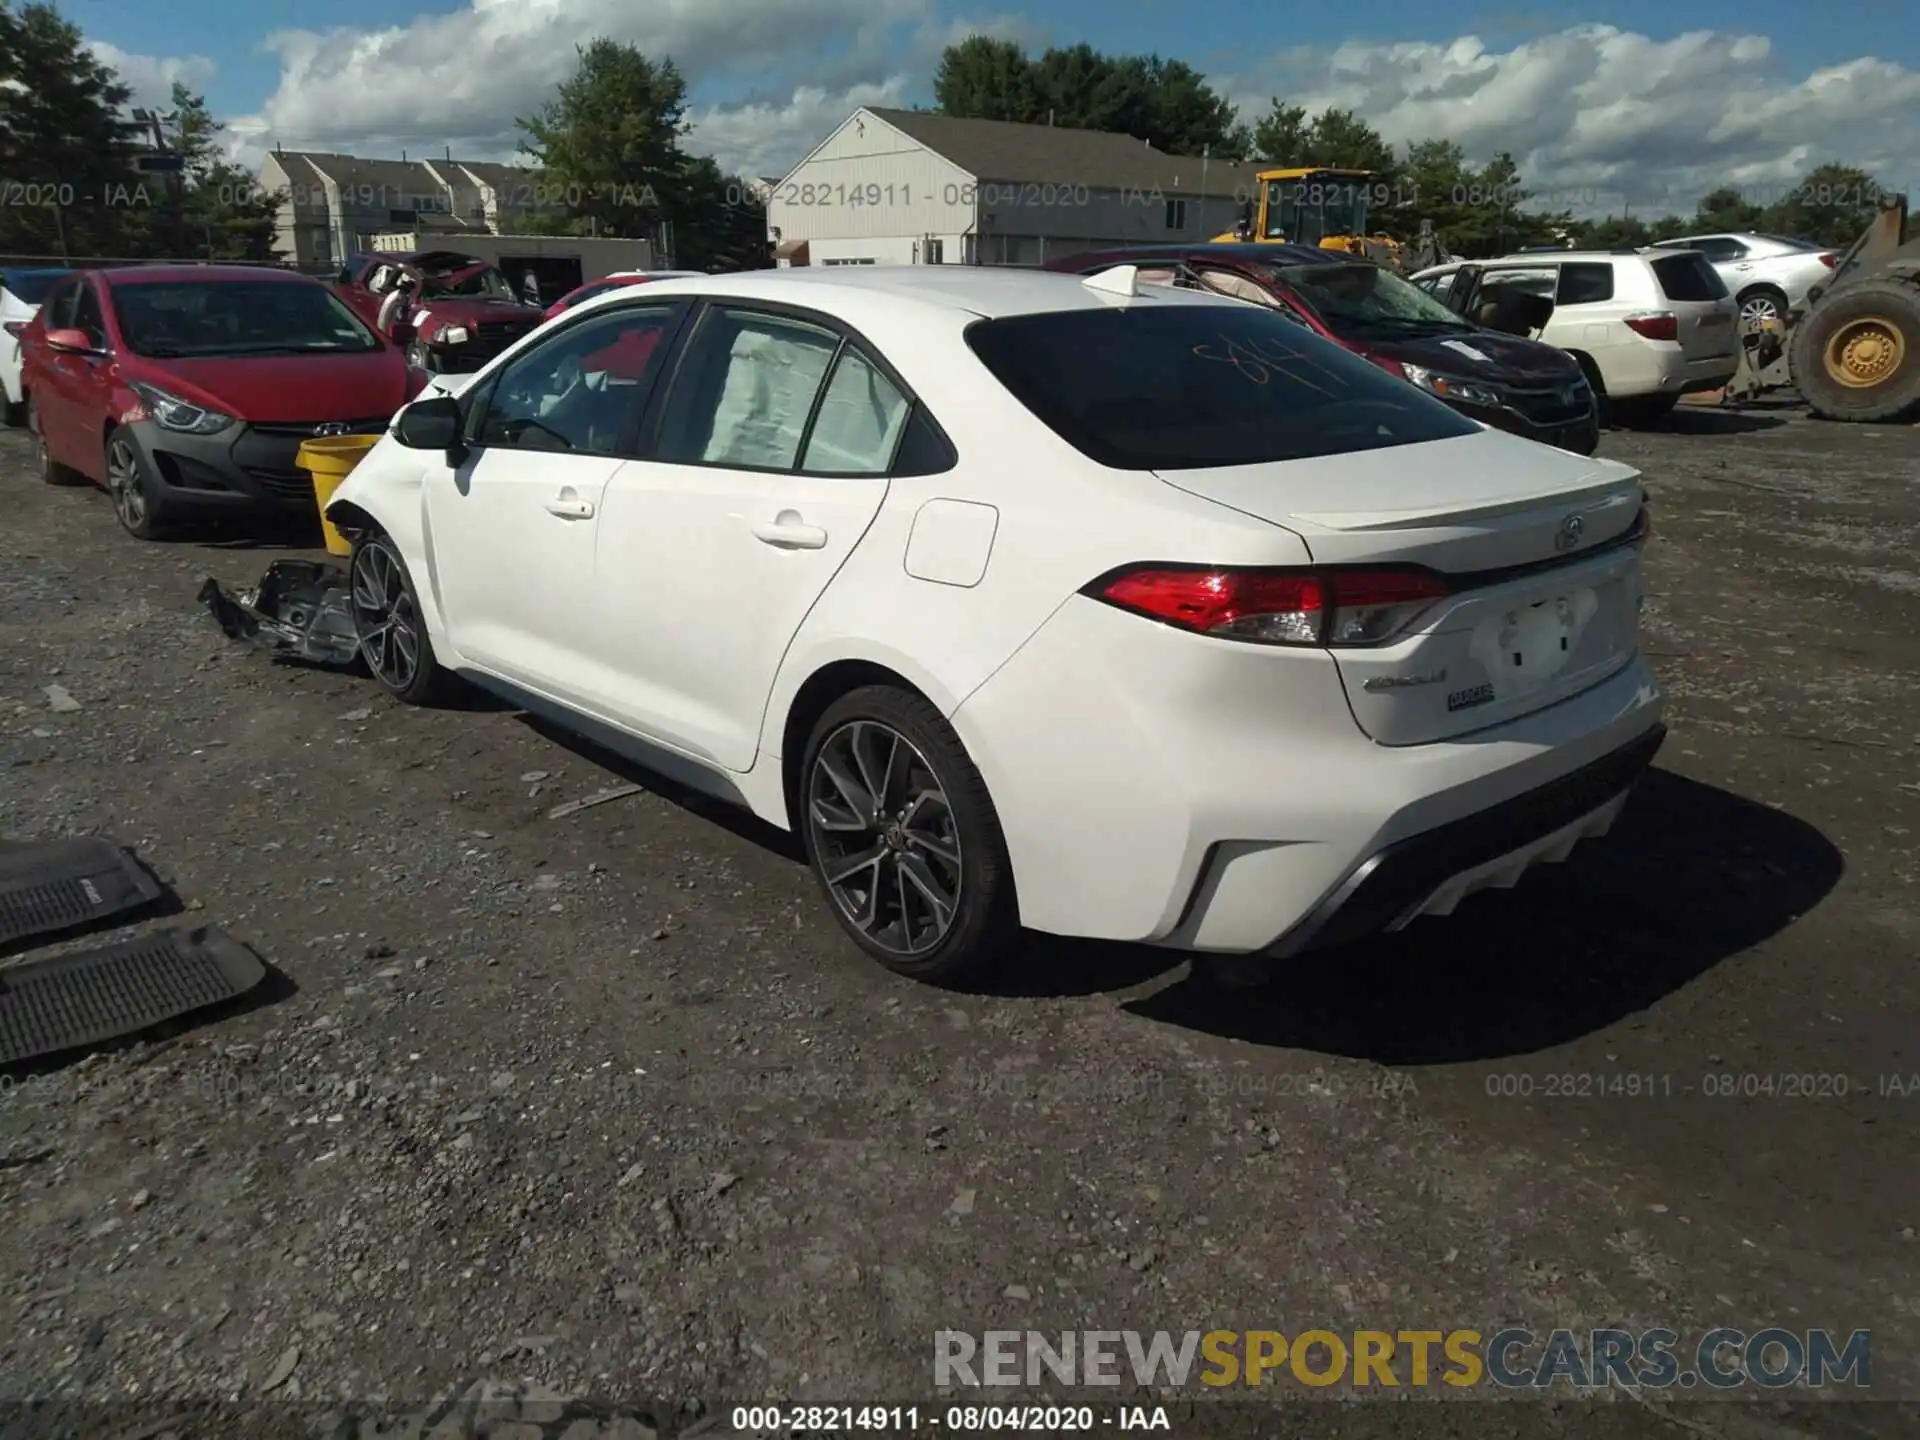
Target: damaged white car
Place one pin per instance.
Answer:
(1100, 609)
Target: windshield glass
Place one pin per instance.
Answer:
(1308, 210)
(485, 284)
(1174, 386)
(1365, 297)
(31, 286)
(229, 317)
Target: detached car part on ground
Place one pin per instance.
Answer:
(1097, 609)
(1854, 352)
(461, 310)
(1507, 381)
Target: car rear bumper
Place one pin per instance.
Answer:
(1213, 796)
(244, 469)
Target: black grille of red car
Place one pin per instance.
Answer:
(270, 454)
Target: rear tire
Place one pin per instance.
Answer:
(13, 413)
(1758, 302)
(394, 644)
(1856, 355)
(904, 839)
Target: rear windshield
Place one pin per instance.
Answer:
(176, 319)
(1689, 277)
(31, 286)
(1171, 386)
(1791, 243)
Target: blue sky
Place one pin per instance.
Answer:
(1601, 93)
(1213, 37)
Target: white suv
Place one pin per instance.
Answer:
(1646, 327)
(1768, 275)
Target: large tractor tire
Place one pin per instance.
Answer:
(1856, 356)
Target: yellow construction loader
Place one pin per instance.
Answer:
(1316, 205)
(1853, 352)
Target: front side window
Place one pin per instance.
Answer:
(183, 318)
(87, 318)
(1190, 386)
(582, 390)
(743, 394)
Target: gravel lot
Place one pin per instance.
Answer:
(603, 1105)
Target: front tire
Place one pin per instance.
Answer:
(387, 621)
(1856, 356)
(904, 838)
(130, 486)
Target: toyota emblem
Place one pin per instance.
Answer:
(1569, 535)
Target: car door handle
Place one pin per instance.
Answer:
(571, 509)
(791, 534)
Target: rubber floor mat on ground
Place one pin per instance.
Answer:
(53, 887)
(92, 996)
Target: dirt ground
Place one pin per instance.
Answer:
(604, 1106)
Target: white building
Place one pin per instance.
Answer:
(905, 187)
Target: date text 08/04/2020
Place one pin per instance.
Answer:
(795, 1420)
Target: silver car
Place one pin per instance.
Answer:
(1768, 274)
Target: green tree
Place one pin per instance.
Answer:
(1167, 103)
(1340, 137)
(1831, 205)
(227, 216)
(1726, 209)
(1280, 139)
(612, 135)
(986, 79)
(65, 140)
(724, 224)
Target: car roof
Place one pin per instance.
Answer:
(161, 274)
(1540, 257)
(1243, 251)
(990, 291)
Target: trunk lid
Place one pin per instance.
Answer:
(1547, 595)
(1695, 293)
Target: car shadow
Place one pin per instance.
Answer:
(1690, 876)
(1700, 420)
(731, 817)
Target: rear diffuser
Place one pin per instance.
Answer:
(54, 887)
(70, 1001)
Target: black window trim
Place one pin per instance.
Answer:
(102, 339)
(626, 444)
(648, 442)
(67, 289)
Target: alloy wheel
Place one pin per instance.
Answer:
(384, 616)
(123, 485)
(1758, 308)
(886, 837)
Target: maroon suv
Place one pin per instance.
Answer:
(1506, 381)
(461, 311)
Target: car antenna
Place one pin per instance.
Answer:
(1120, 280)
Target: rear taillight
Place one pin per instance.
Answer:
(1655, 325)
(1826, 258)
(1277, 607)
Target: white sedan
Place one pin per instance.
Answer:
(1088, 607)
(21, 292)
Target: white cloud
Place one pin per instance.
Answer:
(1598, 117)
(151, 77)
(1593, 114)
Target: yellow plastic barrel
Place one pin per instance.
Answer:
(330, 461)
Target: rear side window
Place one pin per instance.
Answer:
(1584, 284)
(1688, 277)
(1189, 387)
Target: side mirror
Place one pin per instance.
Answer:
(430, 424)
(71, 342)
